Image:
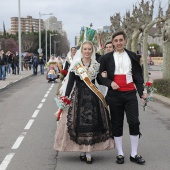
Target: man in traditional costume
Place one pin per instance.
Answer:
(124, 76)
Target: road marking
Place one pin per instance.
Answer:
(19, 140)
(40, 106)
(29, 124)
(43, 100)
(35, 113)
(46, 95)
(6, 161)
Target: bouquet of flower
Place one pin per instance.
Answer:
(62, 103)
(149, 89)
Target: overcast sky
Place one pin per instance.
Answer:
(73, 13)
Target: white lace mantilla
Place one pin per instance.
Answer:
(69, 59)
(92, 71)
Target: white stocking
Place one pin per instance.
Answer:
(88, 155)
(134, 145)
(118, 142)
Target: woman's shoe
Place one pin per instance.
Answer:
(83, 158)
(89, 160)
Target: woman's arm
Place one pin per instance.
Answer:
(70, 84)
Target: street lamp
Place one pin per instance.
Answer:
(50, 42)
(19, 36)
(55, 42)
(40, 49)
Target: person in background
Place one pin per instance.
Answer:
(109, 47)
(69, 58)
(41, 61)
(9, 62)
(3, 63)
(59, 63)
(149, 64)
(16, 63)
(35, 64)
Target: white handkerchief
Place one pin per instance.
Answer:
(129, 78)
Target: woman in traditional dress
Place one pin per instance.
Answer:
(85, 125)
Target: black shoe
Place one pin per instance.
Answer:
(89, 160)
(120, 159)
(137, 159)
(83, 158)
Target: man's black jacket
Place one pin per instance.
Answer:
(107, 63)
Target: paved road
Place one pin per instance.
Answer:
(27, 129)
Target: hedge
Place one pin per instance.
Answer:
(162, 86)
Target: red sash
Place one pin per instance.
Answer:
(120, 80)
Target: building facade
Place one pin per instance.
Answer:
(53, 24)
(28, 24)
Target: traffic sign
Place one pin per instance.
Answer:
(39, 50)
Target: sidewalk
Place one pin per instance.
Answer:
(11, 79)
(156, 73)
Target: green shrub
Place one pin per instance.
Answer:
(162, 86)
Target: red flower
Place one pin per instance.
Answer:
(68, 102)
(148, 83)
(59, 112)
(64, 72)
(65, 100)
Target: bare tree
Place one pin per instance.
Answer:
(158, 20)
(166, 46)
(28, 41)
(142, 17)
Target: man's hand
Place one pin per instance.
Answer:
(104, 74)
(114, 85)
(144, 96)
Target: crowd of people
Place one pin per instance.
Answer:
(94, 121)
(9, 63)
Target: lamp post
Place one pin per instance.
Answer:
(55, 42)
(50, 42)
(40, 49)
(46, 44)
(19, 36)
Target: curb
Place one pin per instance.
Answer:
(13, 83)
(162, 99)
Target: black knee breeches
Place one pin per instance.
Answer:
(120, 103)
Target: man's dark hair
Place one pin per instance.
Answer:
(73, 47)
(109, 42)
(119, 33)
